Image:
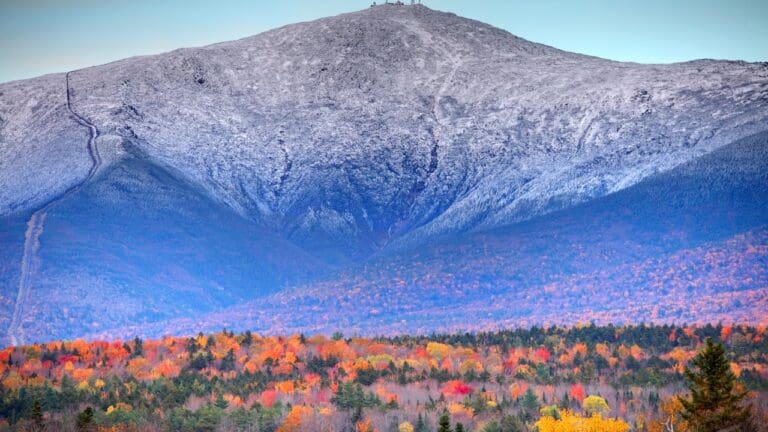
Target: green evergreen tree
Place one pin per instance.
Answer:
(421, 425)
(444, 424)
(208, 418)
(37, 415)
(530, 402)
(85, 420)
(357, 415)
(511, 424)
(228, 362)
(68, 392)
(714, 404)
(138, 347)
(247, 338)
(459, 427)
(220, 402)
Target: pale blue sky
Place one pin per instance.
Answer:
(43, 36)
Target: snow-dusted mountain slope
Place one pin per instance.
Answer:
(140, 244)
(382, 124)
(358, 135)
(689, 246)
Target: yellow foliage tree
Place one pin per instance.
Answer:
(438, 351)
(670, 418)
(595, 405)
(570, 422)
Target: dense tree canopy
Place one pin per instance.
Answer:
(506, 381)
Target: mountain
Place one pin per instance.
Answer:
(688, 245)
(359, 149)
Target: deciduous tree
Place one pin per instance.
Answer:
(570, 422)
(595, 405)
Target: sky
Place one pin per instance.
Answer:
(45, 36)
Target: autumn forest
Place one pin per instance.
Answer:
(583, 378)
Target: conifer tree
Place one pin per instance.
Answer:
(357, 414)
(445, 423)
(138, 347)
(421, 425)
(714, 405)
(220, 402)
(228, 362)
(85, 420)
(511, 424)
(530, 402)
(37, 415)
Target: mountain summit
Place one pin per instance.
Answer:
(233, 171)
